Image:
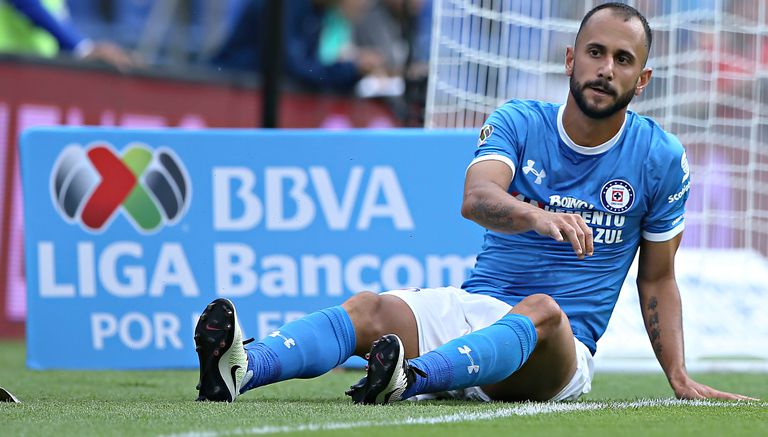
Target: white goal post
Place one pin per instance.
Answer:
(709, 87)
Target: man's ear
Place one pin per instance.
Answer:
(568, 61)
(643, 80)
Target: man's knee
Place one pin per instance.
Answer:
(364, 310)
(374, 315)
(543, 311)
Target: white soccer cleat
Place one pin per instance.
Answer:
(6, 396)
(219, 346)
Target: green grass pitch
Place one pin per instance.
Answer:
(160, 403)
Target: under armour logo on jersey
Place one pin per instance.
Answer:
(287, 342)
(539, 174)
(472, 368)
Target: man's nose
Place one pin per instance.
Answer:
(606, 69)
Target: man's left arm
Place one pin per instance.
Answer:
(662, 315)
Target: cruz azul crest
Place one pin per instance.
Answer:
(617, 196)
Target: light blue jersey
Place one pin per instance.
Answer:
(634, 186)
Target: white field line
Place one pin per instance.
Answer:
(526, 409)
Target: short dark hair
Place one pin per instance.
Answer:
(627, 13)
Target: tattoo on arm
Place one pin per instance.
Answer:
(653, 326)
(494, 214)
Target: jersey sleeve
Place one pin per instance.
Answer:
(665, 219)
(499, 136)
(64, 32)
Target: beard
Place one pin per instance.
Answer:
(619, 103)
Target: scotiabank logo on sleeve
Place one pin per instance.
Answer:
(89, 185)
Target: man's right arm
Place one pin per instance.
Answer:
(487, 202)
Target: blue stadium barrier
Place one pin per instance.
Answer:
(130, 233)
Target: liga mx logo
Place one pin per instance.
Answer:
(90, 185)
(485, 133)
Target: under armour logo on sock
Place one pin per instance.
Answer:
(288, 342)
(539, 174)
(472, 368)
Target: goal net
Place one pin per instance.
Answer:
(709, 87)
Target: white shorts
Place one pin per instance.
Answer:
(443, 314)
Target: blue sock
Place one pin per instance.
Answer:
(486, 356)
(304, 348)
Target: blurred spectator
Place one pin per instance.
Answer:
(395, 29)
(42, 28)
(401, 31)
(422, 39)
(319, 48)
(243, 47)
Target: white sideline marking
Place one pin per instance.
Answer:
(527, 409)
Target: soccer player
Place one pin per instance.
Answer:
(568, 193)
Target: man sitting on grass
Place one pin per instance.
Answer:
(568, 194)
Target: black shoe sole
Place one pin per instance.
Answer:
(214, 333)
(378, 385)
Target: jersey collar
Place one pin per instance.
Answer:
(582, 149)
